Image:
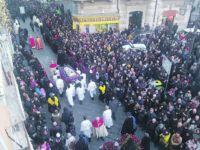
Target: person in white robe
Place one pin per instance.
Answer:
(16, 26)
(78, 71)
(107, 117)
(72, 85)
(86, 128)
(84, 81)
(92, 89)
(80, 93)
(70, 142)
(69, 95)
(57, 71)
(34, 19)
(60, 85)
(55, 77)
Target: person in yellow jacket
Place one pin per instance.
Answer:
(53, 103)
(102, 90)
(164, 138)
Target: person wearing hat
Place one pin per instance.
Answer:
(70, 142)
(86, 128)
(52, 66)
(58, 142)
(129, 125)
(99, 129)
(53, 103)
(164, 138)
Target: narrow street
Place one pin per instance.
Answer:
(90, 108)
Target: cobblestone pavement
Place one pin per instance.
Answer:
(90, 108)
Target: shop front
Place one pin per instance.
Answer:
(94, 24)
(168, 17)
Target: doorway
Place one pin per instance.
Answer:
(135, 19)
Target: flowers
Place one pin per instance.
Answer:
(109, 146)
(127, 141)
(124, 139)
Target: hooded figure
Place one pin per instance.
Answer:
(61, 58)
(129, 125)
(82, 143)
(145, 142)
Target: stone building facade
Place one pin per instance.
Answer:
(13, 134)
(152, 12)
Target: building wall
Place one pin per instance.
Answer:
(146, 6)
(11, 110)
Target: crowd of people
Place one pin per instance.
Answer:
(168, 115)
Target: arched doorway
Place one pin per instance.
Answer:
(135, 19)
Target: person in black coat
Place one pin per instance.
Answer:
(55, 129)
(67, 117)
(145, 142)
(82, 143)
(61, 58)
(129, 125)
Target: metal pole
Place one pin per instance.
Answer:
(155, 9)
(118, 6)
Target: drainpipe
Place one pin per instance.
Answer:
(118, 6)
(155, 9)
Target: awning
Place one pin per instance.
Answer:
(169, 13)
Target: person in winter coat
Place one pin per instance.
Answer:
(129, 125)
(82, 143)
(70, 142)
(55, 117)
(67, 116)
(53, 103)
(164, 139)
(145, 142)
(175, 142)
(113, 106)
(102, 89)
